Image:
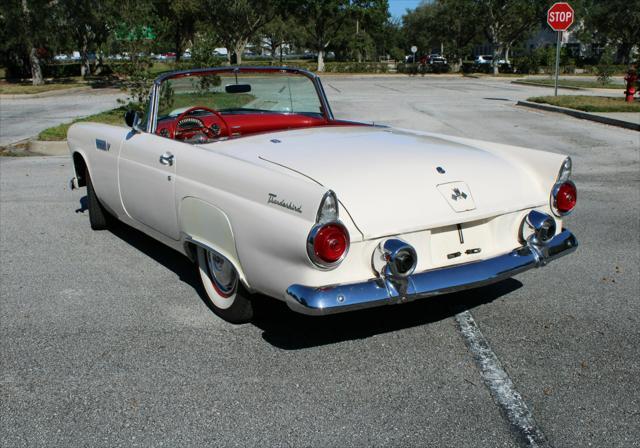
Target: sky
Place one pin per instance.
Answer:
(397, 8)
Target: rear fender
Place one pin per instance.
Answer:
(205, 225)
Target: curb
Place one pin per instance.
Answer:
(582, 115)
(48, 148)
(26, 96)
(535, 84)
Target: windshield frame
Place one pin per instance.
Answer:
(154, 97)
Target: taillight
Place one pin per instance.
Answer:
(564, 197)
(330, 243)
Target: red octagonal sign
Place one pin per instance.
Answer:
(560, 16)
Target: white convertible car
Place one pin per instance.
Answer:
(247, 172)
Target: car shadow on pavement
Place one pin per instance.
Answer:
(162, 254)
(289, 330)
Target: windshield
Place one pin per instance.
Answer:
(241, 93)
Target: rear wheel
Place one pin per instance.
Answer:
(98, 216)
(223, 288)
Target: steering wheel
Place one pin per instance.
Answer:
(202, 128)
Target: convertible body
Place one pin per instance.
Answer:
(324, 214)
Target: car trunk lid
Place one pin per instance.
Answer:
(392, 181)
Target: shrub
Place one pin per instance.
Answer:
(605, 69)
(422, 69)
(526, 65)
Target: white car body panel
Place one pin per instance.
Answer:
(233, 177)
(426, 189)
(387, 178)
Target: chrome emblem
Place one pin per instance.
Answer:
(273, 199)
(457, 194)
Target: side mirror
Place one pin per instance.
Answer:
(132, 118)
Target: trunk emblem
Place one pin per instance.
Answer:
(440, 170)
(457, 194)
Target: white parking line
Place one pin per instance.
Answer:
(500, 385)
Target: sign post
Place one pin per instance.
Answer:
(413, 50)
(560, 17)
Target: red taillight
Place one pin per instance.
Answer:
(566, 197)
(330, 243)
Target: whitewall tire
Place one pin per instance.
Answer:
(223, 287)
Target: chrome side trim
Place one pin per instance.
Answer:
(375, 292)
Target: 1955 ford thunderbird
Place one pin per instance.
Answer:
(247, 172)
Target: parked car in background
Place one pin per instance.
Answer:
(488, 59)
(246, 171)
(483, 59)
(436, 59)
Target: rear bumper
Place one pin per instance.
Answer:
(381, 291)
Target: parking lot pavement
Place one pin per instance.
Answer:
(22, 118)
(107, 342)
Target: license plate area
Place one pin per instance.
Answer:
(460, 243)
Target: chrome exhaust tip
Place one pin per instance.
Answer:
(394, 258)
(538, 228)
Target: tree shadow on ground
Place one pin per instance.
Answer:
(289, 330)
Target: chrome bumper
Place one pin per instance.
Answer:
(381, 291)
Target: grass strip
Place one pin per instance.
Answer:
(582, 84)
(589, 103)
(59, 132)
(116, 116)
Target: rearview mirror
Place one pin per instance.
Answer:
(132, 119)
(238, 88)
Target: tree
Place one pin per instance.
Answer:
(506, 21)
(275, 34)
(29, 29)
(134, 37)
(370, 16)
(614, 22)
(178, 19)
(455, 25)
(238, 21)
(323, 19)
(417, 27)
(87, 22)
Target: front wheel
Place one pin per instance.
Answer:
(223, 288)
(99, 217)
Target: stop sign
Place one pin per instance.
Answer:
(560, 16)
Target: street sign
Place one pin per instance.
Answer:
(413, 49)
(560, 16)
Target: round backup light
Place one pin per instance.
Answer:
(330, 243)
(565, 196)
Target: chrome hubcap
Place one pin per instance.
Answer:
(223, 274)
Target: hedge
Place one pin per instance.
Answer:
(422, 69)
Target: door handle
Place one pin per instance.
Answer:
(166, 159)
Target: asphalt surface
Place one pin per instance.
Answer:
(22, 118)
(106, 340)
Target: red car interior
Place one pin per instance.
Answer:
(215, 125)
